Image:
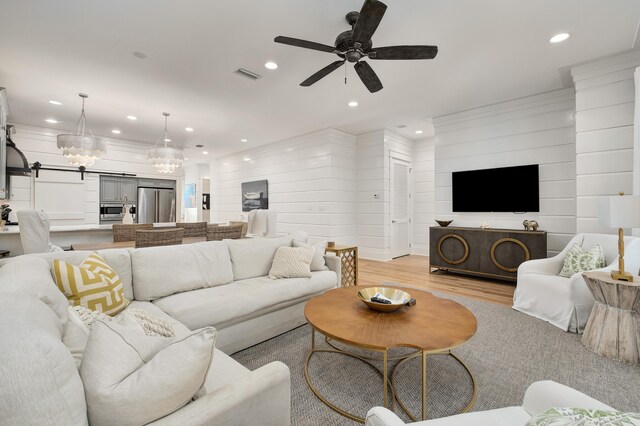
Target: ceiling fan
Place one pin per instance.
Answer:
(355, 44)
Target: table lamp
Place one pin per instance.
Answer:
(620, 212)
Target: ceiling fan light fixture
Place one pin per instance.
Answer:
(81, 149)
(165, 158)
(559, 38)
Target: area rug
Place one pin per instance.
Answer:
(510, 351)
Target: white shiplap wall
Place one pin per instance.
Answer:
(39, 144)
(423, 193)
(372, 210)
(311, 183)
(533, 130)
(604, 134)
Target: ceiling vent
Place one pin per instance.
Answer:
(247, 74)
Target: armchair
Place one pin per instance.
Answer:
(567, 302)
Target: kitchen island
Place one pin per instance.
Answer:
(63, 235)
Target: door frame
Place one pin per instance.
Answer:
(394, 155)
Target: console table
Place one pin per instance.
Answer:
(494, 253)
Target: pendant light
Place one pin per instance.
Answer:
(165, 158)
(81, 149)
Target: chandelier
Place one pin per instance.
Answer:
(165, 158)
(81, 149)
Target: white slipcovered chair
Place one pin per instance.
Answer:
(34, 232)
(262, 223)
(538, 398)
(567, 302)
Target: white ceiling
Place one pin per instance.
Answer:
(490, 50)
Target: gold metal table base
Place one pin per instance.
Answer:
(387, 379)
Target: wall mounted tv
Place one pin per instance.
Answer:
(505, 189)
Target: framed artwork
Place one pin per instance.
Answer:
(190, 196)
(255, 195)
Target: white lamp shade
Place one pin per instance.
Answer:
(620, 211)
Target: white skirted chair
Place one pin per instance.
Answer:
(34, 232)
(262, 223)
(567, 302)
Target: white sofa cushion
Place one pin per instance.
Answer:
(223, 371)
(318, 263)
(162, 271)
(32, 275)
(39, 383)
(252, 257)
(509, 416)
(242, 300)
(151, 378)
(118, 259)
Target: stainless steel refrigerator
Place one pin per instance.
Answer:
(156, 205)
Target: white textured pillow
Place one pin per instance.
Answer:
(153, 375)
(318, 263)
(76, 333)
(292, 262)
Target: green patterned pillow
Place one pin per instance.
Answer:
(581, 260)
(584, 417)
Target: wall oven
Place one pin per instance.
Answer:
(112, 212)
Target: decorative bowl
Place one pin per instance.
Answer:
(389, 292)
(444, 223)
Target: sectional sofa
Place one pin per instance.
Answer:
(220, 284)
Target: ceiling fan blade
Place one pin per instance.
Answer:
(403, 52)
(322, 73)
(368, 76)
(370, 16)
(305, 44)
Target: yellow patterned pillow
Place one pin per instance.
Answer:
(92, 284)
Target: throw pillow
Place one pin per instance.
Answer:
(318, 263)
(581, 260)
(583, 417)
(292, 262)
(154, 375)
(76, 333)
(92, 284)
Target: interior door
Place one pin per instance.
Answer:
(400, 208)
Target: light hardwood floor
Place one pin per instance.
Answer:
(414, 270)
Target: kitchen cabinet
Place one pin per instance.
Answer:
(114, 189)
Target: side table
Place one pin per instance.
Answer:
(349, 260)
(613, 329)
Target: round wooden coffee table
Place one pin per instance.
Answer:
(433, 326)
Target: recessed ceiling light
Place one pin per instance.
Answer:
(185, 158)
(205, 152)
(189, 129)
(55, 102)
(225, 164)
(116, 131)
(243, 140)
(271, 65)
(353, 104)
(559, 38)
(419, 132)
(51, 120)
(247, 159)
(132, 117)
(167, 140)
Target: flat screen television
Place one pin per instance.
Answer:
(504, 189)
